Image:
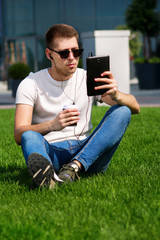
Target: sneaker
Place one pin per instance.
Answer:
(42, 171)
(69, 172)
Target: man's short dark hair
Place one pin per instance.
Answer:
(60, 30)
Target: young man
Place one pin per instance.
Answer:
(54, 149)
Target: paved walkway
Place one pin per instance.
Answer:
(146, 98)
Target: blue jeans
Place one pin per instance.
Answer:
(94, 152)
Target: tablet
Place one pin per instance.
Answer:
(95, 66)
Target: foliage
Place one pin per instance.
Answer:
(123, 203)
(141, 16)
(140, 60)
(80, 63)
(134, 41)
(144, 60)
(154, 60)
(18, 71)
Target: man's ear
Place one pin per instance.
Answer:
(48, 54)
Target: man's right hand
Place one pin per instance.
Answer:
(23, 121)
(65, 118)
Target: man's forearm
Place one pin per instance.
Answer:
(125, 100)
(42, 128)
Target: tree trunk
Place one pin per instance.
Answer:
(149, 46)
(144, 46)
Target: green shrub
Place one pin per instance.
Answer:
(141, 60)
(154, 60)
(18, 71)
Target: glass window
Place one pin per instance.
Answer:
(18, 17)
(43, 62)
(110, 13)
(47, 13)
(80, 14)
(20, 50)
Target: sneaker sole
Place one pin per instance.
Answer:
(42, 171)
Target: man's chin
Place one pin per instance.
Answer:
(72, 69)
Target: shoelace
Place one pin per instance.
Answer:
(71, 171)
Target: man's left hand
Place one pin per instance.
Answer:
(110, 84)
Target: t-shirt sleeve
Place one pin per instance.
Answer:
(98, 98)
(26, 92)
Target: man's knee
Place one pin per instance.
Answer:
(30, 135)
(122, 112)
(125, 113)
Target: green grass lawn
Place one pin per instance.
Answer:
(123, 203)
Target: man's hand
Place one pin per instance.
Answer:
(23, 121)
(65, 118)
(110, 84)
(112, 96)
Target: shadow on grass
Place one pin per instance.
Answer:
(15, 174)
(18, 175)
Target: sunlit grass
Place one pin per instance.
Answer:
(123, 203)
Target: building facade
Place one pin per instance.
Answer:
(23, 24)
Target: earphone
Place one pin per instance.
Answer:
(72, 100)
(51, 57)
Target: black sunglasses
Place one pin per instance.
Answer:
(65, 53)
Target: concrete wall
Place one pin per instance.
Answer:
(114, 43)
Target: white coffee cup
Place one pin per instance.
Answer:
(70, 106)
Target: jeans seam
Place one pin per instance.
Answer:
(107, 114)
(83, 162)
(45, 146)
(66, 149)
(78, 156)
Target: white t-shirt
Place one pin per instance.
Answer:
(48, 96)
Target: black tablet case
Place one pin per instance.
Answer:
(95, 66)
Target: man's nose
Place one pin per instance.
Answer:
(71, 56)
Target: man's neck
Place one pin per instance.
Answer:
(57, 76)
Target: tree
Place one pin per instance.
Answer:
(134, 41)
(141, 16)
